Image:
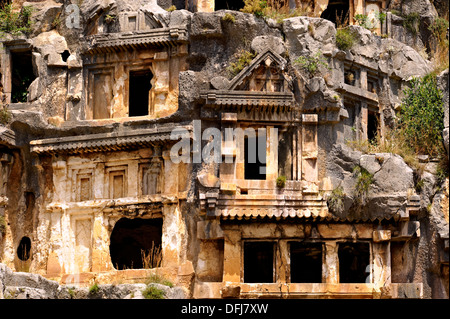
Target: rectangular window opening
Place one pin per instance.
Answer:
(255, 158)
(350, 77)
(21, 75)
(372, 126)
(139, 90)
(259, 262)
(306, 262)
(354, 259)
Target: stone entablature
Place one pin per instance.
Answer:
(115, 141)
(112, 42)
(223, 98)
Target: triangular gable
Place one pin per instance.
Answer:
(266, 59)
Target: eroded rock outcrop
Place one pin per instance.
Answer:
(21, 285)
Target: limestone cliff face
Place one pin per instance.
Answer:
(89, 146)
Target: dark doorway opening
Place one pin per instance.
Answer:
(353, 261)
(255, 158)
(21, 75)
(372, 126)
(337, 11)
(136, 243)
(139, 89)
(228, 5)
(306, 262)
(259, 262)
(23, 251)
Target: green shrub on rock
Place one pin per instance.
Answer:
(345, 39)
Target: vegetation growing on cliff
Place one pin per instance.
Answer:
(15, 22)
(152, 292)
(418, 126)
(421, 116)
(439, 53)
(312, 63)
(275, 9)
(241, 60)
(345, 39)
(335, 200)
(363, 181)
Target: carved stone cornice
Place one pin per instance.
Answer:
(249, 98)
(7, 137)
(114, 141)
(113, 42)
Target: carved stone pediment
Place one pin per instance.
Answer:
(265, 74)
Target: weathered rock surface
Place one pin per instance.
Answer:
(21, 285)
(387, 193)
(443, 86)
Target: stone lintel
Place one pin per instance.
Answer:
(359, 93)
(310, 118)
(381, 235)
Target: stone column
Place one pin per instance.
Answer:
(282, 262)
(363, 118)
(173, 236)
(53, 263)
(5, 64)
(272, 153)
(227, 169)
(309, 148)
(232, 261)
(330, 269)
(381, 264)
(60, 178)
(98, 190)
(101, 260)
(170, 175)
(133, 176)
(363, 79)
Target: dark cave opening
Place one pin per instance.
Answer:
(24, 248)
(136, 243)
